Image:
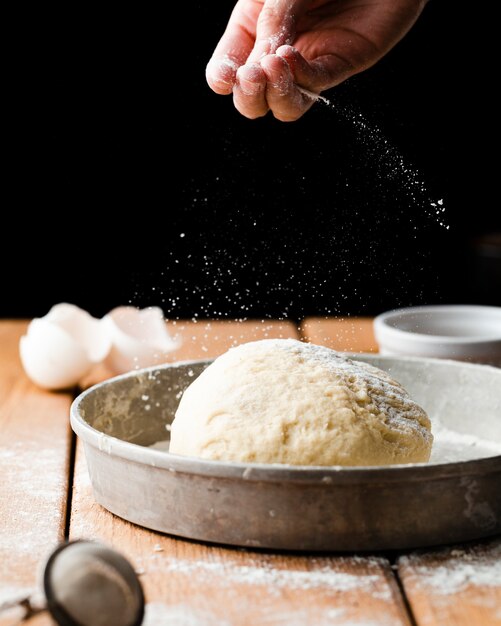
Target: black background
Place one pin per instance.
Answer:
(128, 181)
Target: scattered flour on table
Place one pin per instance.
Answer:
(11, 612)
(322, 577)
(460, 569)
(320, 616)
(40, 480)
(11, 593)
(160, 614)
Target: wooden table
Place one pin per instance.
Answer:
(45, 496)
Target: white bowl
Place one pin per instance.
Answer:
(462, 332)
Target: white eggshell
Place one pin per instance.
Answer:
(60, 348)
(139, 338)
(90, 333)
(51, 357)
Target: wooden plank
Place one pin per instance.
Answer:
(189, 583)
(458, 586)
(348, 334)
(34, 465)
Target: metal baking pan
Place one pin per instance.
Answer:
(291, 507)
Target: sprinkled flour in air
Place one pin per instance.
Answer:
(460, 569)
(387, 158)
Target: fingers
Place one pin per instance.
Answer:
(221, 74)
(249, 93)
(276, 26)
(320, 74)
(293, 82)
(245, 64)
(234, 66)
(284, 97)
(231, 52)
(307, 75)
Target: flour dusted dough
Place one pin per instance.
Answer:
(283, 401)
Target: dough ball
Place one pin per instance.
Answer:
(283, 401)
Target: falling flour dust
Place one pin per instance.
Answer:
(387, 158)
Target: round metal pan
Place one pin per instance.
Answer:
(291, 507)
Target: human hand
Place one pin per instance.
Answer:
(274, 52)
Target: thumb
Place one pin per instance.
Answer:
(276, 26)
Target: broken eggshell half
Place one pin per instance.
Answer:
(139, 338)
(60, 348)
